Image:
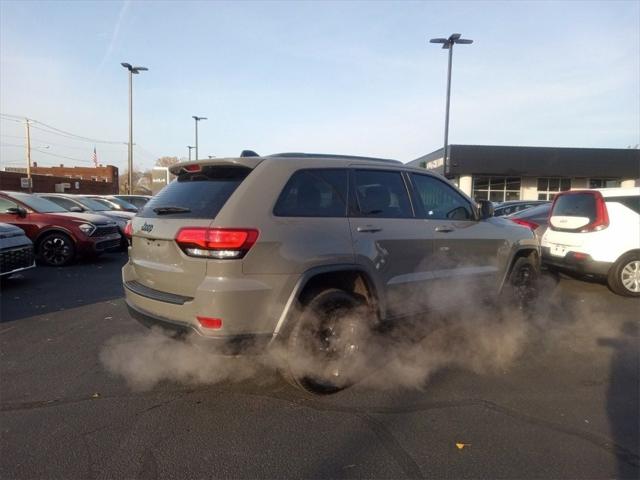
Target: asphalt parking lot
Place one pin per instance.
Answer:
(566, 406)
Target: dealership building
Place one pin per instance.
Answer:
(500, 173)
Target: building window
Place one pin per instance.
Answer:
(604, 183)
(548, 187)
(95, 179)
(496, 189)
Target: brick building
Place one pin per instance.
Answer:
(85, 180)
(108, 174)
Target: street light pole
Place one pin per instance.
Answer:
(132, 71)
(197, 119)
(447, 43)
(190, 148)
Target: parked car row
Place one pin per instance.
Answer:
(591, 232)
(62, 227)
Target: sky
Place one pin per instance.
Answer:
(356, 78)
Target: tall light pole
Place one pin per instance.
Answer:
(132, 71)
(197, 119)
(447, 44)
(190, 148)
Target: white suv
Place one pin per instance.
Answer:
(597, 232)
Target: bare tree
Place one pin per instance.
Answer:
(166, 161)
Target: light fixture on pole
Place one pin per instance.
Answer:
(190, 148)
(197, 119)
(132, 71)
(447, 44)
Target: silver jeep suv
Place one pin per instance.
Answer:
(305, 252)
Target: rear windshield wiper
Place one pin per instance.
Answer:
(167, 210)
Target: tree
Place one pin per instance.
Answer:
(166, 161)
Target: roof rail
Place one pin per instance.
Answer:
(331, 156)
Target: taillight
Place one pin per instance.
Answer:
(602, 216)
(193, 168)
(525, 223)
(220, 243)
(208, 322)
(128, 230)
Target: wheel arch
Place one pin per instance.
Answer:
(523, 251)
(350, 277)
(53, 229)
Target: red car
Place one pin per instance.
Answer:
(59, 236)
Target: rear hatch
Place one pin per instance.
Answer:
(576, 213)
(192, 200)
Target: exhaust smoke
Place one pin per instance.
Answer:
(482, 337)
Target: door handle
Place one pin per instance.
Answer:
(444, 229)
(368, 228)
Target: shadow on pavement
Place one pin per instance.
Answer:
(38, 291)
(623, 396)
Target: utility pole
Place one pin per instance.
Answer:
(28, 144)
(197, 119)
(447, 44)
(190, 148)
(132, 71)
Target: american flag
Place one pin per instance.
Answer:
(94, 157)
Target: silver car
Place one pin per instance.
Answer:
(306, 251)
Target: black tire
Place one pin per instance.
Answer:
(325, 346)
(624, 275)
(56, 249)
(522, 285)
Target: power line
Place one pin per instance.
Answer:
(57, 131)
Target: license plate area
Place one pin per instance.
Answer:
(558, 250)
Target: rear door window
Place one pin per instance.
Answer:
(196, 194)
(314, 193)
(381, 194)
(630, 202)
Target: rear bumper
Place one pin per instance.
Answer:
(224, 344)
(574, 263)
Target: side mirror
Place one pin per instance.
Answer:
(76, 209)
(485, 208)
(19, 211)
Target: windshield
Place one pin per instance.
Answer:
(40, 205)
(122, 203)
(93, 205)
(106, 203)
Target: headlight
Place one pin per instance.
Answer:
(87, 229)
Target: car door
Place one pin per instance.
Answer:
(465, 256)
(388, 239)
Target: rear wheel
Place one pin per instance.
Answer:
(326, 346)
(522, 286)
(56, 249)
(624, 275)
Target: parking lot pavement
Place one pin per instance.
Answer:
(567, 407)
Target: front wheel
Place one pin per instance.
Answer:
(522, 284)
(624, 275)
(325, 350)
(56, 249)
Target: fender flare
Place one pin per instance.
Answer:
(519, 248)
(373, 286)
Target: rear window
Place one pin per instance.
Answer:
(196, 194)
(576, 205)
(630, 202)
(314, 193)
